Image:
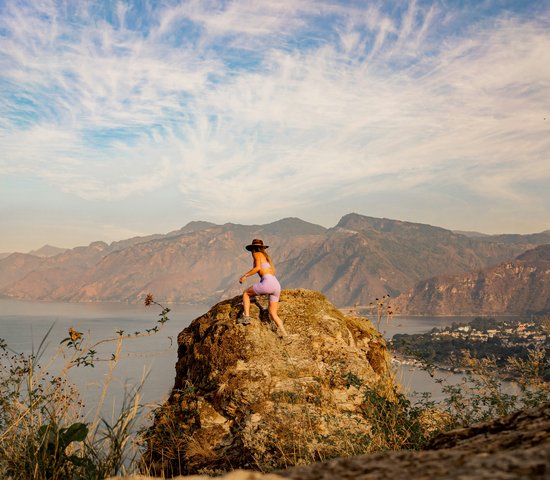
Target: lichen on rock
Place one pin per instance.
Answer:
(245, 398)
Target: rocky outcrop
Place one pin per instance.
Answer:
(513, 447)
(516, 287)
(245, 398)
(516, 447)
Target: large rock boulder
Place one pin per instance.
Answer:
(245, 398)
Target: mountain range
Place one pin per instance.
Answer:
(519, 286)
(45, 251)
(353, 262)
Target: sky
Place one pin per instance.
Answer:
(135, 117)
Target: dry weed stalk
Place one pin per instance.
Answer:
(43, 433)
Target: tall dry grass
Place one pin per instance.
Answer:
(45, 431)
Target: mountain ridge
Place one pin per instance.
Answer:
(358, 259)
(519, 286)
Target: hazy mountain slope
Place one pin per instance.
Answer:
(28, 276)
(52, 277)
(471, 234)
(364, 257)
(292, 226)
(533, 238)
(513, 287)
(193, 267)
(16, 265)
(357, 260)
(510, 238)
(189, 228)
(48, 251)
(190, 265)
(540, 253)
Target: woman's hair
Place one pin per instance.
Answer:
(268, 258)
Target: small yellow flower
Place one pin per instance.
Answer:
(74, 334)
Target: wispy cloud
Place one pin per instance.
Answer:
(263, 106)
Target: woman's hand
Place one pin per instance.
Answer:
(242, 279)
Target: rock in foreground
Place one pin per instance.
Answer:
(516, 447)
(245, 398)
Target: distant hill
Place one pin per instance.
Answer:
(45, 251)
(40, 278)
(510, 238)
(514, 287)
(534, 238)
(539, 254)
(198, 263)
(353, 262)
(471, 234)
(364, 257)
(48, 251)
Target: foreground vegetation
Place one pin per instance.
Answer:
(44, 434)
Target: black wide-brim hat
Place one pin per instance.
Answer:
(256, 243)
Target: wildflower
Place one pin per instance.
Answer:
(149, 299)
(75, 335)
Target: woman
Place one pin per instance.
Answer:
(268, 285)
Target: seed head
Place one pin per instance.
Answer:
(149, 299)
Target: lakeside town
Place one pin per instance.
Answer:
(513, 345)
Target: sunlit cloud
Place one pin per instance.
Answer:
(239, 103)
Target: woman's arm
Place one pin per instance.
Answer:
(255, 269)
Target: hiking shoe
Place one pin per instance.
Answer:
(243, 320)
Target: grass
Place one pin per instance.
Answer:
(44, 433)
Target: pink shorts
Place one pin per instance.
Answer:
(269, 285)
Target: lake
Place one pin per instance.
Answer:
(24, 325)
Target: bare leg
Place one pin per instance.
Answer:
(249, 292)
(273, 307)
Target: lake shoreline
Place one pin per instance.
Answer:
(25, 322)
